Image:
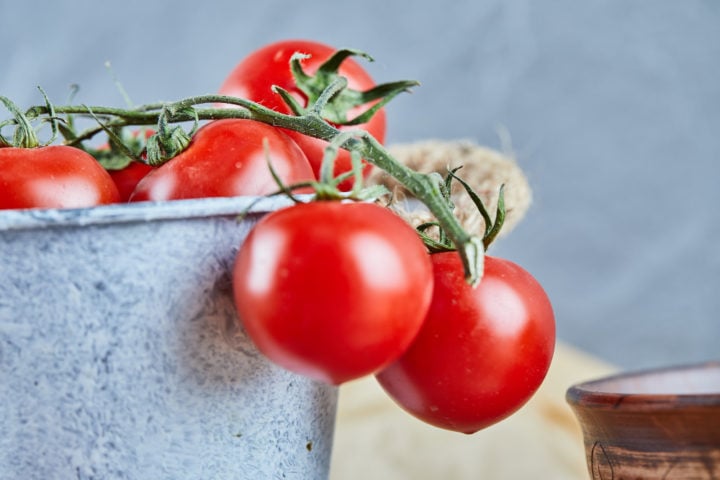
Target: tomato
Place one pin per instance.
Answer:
(130, 172)
(481, 353)
(126, 179)
(227, 158)
(254, 76)
(55, 176)
(332, 290)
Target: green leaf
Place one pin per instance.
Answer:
(289, 100)
(477, 201)
(499, 219)
(332, 64)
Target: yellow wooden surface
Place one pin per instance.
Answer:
(375, 439)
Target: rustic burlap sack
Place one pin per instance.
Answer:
(483, 169)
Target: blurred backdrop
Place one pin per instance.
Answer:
(612, 108)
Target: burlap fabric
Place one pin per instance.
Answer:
(482, 168)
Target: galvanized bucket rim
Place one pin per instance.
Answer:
(29, 219)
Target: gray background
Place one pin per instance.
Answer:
(613, 108)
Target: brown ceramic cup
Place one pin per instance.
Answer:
(653, 424)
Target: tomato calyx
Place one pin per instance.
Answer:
(24, 135)
(344, 100)
(442, 242)
(169, 140)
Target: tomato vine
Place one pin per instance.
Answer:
(425, 187)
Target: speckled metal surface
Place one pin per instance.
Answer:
(120, 356)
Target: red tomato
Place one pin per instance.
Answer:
(55, 176)
(254, 76)
(126, 179)
(227, 158)
(332, 290)
(482, 352)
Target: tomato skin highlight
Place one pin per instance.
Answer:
(55, 176)
(254, 76)
(331, 290)
(227, 158)
(481, 354)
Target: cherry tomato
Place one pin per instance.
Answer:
(332, 290)
(481, 353)
(254, 76)
(126, 179)
(227, 158)
(55, 176)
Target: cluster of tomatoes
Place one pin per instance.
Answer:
(334, 290)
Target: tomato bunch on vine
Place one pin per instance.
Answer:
(337, 286)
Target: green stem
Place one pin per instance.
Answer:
(426, 188)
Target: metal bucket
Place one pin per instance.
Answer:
(120, 355)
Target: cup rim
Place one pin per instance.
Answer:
(592, 394)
